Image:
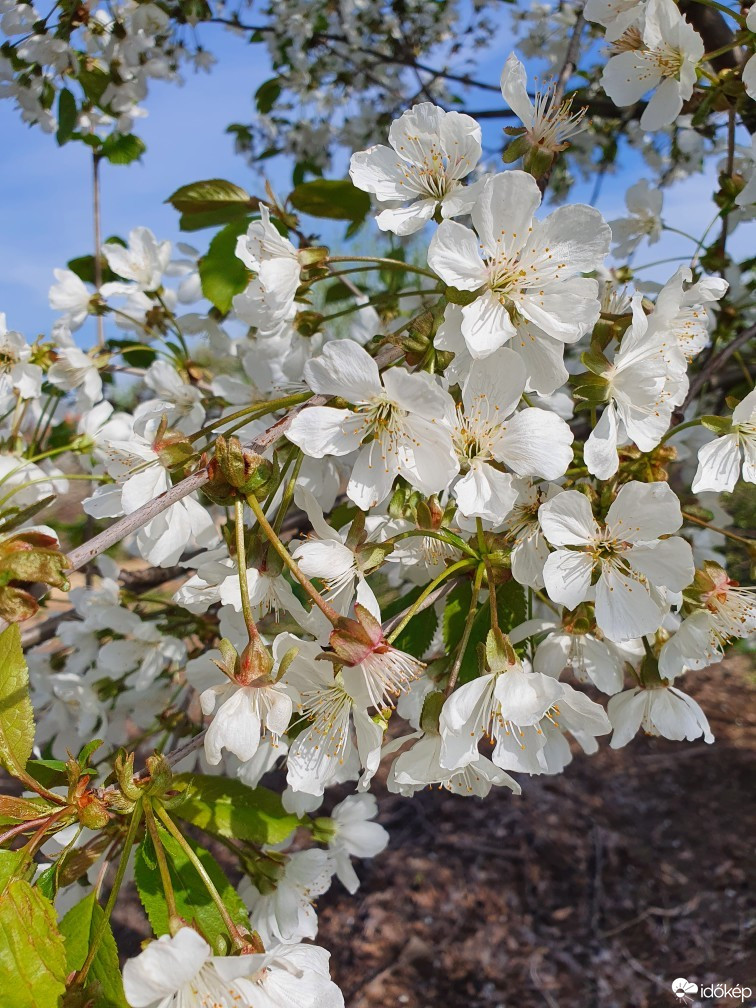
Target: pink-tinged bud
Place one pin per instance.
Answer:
(255, 663)
(360, 643)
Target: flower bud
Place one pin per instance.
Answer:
(244, 470)
(255, 662)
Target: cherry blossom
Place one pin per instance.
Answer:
(399, 412)
(633, 563)
(526, 271)
(431, 152)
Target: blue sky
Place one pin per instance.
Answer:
(45, 191)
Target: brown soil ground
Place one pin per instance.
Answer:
(594, 889)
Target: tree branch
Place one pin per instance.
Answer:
(142, 516)
(713, 366)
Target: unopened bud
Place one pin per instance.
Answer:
(244, 470)
(312, 256)
(92, 812)
(255, 662)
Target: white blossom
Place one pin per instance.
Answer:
(722, 462)
(633, 563)
(662, 59)
(662, 710)
(431, 152)
(526, 271)
(401, 414)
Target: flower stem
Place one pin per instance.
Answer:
(371, 302)
(328, 611)
(253, 412)
(442, 534)
(288, 492)
(683, 426)
(128, 843)
(241, 566)
(467, 630)
(177, 835)
(391, 263)
(724, 10)
(455, 568)
(165, 875)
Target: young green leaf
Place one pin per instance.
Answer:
(193, 901)
(267, 95)
(13, 864)
(122, 149)
(16, 717)
(78, 927)
(32, 958)
(66, 116)
(231, 809)
(336, 199)
(222, 274)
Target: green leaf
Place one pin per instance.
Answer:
(267, 95)
(211, 218)
(13, 863)
(336, 199)
(32, 957)
(208, 194)
(14, 517)
(14, 810)
(211, 202)
(84, 267)
(78, 928)
(193, 902)
(418, 634)
(93, 80)
(231, 809)
(16, 717)
(455, 612)
(46, 882)
(49, 772)
(91, 747)
(223, 274)
(122, 150)
(136, 356)
(66, 116)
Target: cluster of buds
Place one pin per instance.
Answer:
(236, 472)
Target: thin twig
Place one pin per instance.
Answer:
(97, 240)
(714, 365)
(125, 526)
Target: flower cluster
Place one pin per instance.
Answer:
(451, 525)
